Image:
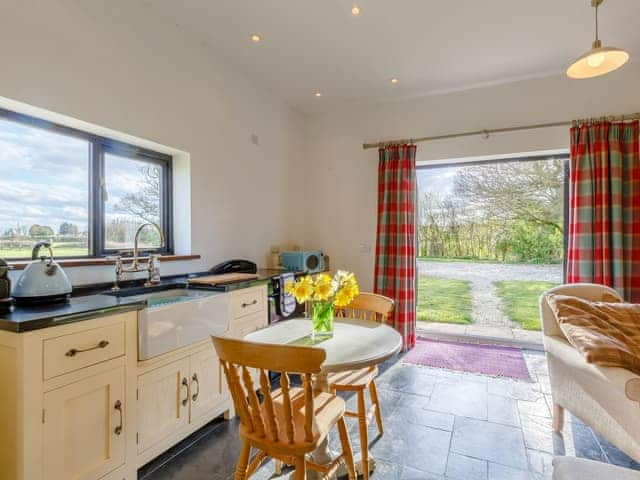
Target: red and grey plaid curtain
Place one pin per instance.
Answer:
(604, 209)
(395, 268)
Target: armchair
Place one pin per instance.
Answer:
(605, 398)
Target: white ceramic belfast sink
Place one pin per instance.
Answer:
(179, 317)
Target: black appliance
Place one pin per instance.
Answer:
(5, 287)
(282, 305)
(234, 266)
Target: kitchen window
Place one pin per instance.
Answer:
(85, 194)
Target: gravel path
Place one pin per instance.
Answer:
(487, 307)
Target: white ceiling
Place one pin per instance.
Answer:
(431, 46)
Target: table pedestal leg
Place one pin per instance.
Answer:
(323, 454)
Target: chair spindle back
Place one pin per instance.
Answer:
(237, 357)
(368, 306)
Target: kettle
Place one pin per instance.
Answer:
(5, 287)
(43, 280)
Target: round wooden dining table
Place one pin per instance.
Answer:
(355, 344)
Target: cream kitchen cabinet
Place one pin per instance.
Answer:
(76, 404)
(176, 395)
(248, 310)
(64, 405)
(83, 432)
(205, 383)
(162, 403)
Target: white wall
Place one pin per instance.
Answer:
(115, 64)
(342, 177)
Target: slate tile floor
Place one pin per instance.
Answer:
(439, 425)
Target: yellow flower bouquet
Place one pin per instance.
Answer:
(324, 292)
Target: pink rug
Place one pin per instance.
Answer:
(469, 357)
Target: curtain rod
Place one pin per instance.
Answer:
(486, 133)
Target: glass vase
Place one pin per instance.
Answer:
(322, 319)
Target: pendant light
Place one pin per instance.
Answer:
(599, 60)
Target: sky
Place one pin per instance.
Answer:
(437, 180)
(44, 178)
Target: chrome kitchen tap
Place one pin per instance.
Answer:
(153, 276)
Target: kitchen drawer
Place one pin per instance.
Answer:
(245, 325)
(78, 350)
(248, 302)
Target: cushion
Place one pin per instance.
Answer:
(607, 334)
(569, 468)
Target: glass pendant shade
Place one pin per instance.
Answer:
(597, 61)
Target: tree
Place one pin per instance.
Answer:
(68, 229)
(40, 231)
(528, 191)
(145, 203)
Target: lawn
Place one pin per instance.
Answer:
(520, 298)
(481, 260)
(58, 252)
(459, 259)
(444, 300)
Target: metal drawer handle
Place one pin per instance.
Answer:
(185, 383)
(245, 305)
(194, 379)
(74, 351)
(118, 407)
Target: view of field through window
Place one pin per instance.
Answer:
(45, 188)
(44, 191)
(490, 241)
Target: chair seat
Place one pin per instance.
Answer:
(353, 380)
(328, 409)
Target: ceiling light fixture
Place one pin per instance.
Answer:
(318, 94)
(599, 60)
(355, 10)
(255, 38)
(394, 80)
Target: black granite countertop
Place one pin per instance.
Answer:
(33, 317)
(91, 301)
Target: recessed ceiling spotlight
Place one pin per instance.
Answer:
(394, 80)
(355, 10)
(255, 38)
(318, 94)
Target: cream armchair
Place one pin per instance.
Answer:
(607, 399)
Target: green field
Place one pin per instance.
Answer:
(58, 252)
(520, 299)
(444, 300)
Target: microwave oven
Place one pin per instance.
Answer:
(310, 261)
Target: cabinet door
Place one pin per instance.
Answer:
(206, 388)
(163, 402)
(83, 431)
(243, 328)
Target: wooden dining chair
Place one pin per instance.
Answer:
(289, 422)
(366, 306)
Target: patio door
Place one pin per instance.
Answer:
(490, 238)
